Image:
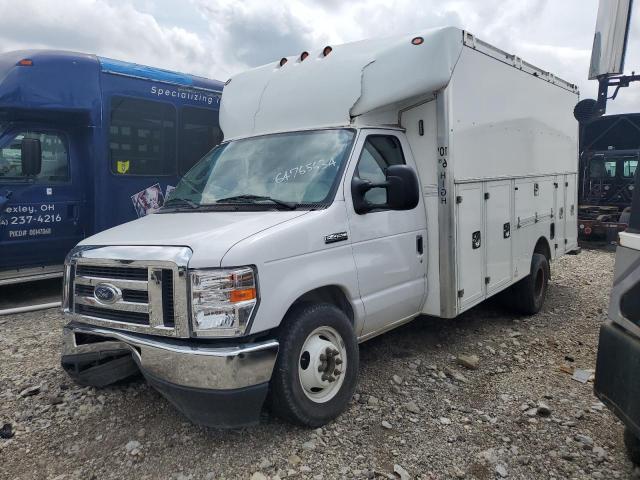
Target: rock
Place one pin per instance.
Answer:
(265, 464)
(501, 471)
(295, 459)
(55, 400)
(600, 453)
(488, 456)
(386, 425)
(397, 380)
(6, 432)
(458, 472)
(456, 375)
(258, 476)
(373, 400)
(469, 361)
(404, 475)
(141, 433)
(445, 421)
(412, 407)
(543, 409)
(133, 447)
(30, 391)
(309, 446)
(584, 439)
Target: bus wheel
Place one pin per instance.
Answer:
(317, 368)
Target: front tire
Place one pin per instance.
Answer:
(633, 446)
(317, 368)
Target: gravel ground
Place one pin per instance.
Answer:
(418, 413)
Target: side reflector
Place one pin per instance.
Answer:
(326, 51)
(417, 41)
(283, 60)
(303, 55)
(25, 62)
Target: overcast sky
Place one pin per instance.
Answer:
(217, 38)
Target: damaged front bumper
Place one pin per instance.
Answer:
(218, 385)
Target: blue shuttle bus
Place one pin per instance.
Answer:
(87, 143)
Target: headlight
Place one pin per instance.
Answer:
(222, 301)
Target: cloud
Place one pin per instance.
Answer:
(96, 26)
(218, 38)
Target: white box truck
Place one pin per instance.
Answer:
(359, 186)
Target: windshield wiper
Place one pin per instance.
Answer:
(257, 198)
(180, 202)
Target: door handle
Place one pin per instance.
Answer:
(419, 245)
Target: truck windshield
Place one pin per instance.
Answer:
(290, 170)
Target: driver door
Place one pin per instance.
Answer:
(39, 218)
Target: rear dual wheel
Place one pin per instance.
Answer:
(317, 368)
(528, 295)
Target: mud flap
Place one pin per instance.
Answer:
(99, 369)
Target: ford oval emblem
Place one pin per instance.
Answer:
(107, 293)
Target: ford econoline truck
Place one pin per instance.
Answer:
(358, 187)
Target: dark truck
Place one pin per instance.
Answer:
(617, 381)
(609, 154)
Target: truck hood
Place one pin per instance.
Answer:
(214, 232)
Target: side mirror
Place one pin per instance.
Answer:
(31, 157)
(402, 186)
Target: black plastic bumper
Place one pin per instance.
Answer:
(617, 381)
(235, 408)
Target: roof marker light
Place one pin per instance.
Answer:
(25, 62)
(326, 51)
(303, 55)
(417, 41)
(283, 60)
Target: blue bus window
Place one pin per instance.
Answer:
(199, 131)
(55, 159)
(142, 137)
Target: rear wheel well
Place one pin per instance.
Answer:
(542, 247)
(329, 294)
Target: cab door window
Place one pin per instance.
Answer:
(378, 153)
(55, 158)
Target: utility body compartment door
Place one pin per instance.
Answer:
(498, 234)
(470, 244)
(571, 214)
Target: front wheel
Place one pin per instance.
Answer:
(633, 446)
(317, 368)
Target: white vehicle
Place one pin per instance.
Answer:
(359, 186)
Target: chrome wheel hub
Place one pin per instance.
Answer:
(322, 363)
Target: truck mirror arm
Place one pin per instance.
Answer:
(603, 89)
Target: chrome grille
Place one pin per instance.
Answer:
(144, 295)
